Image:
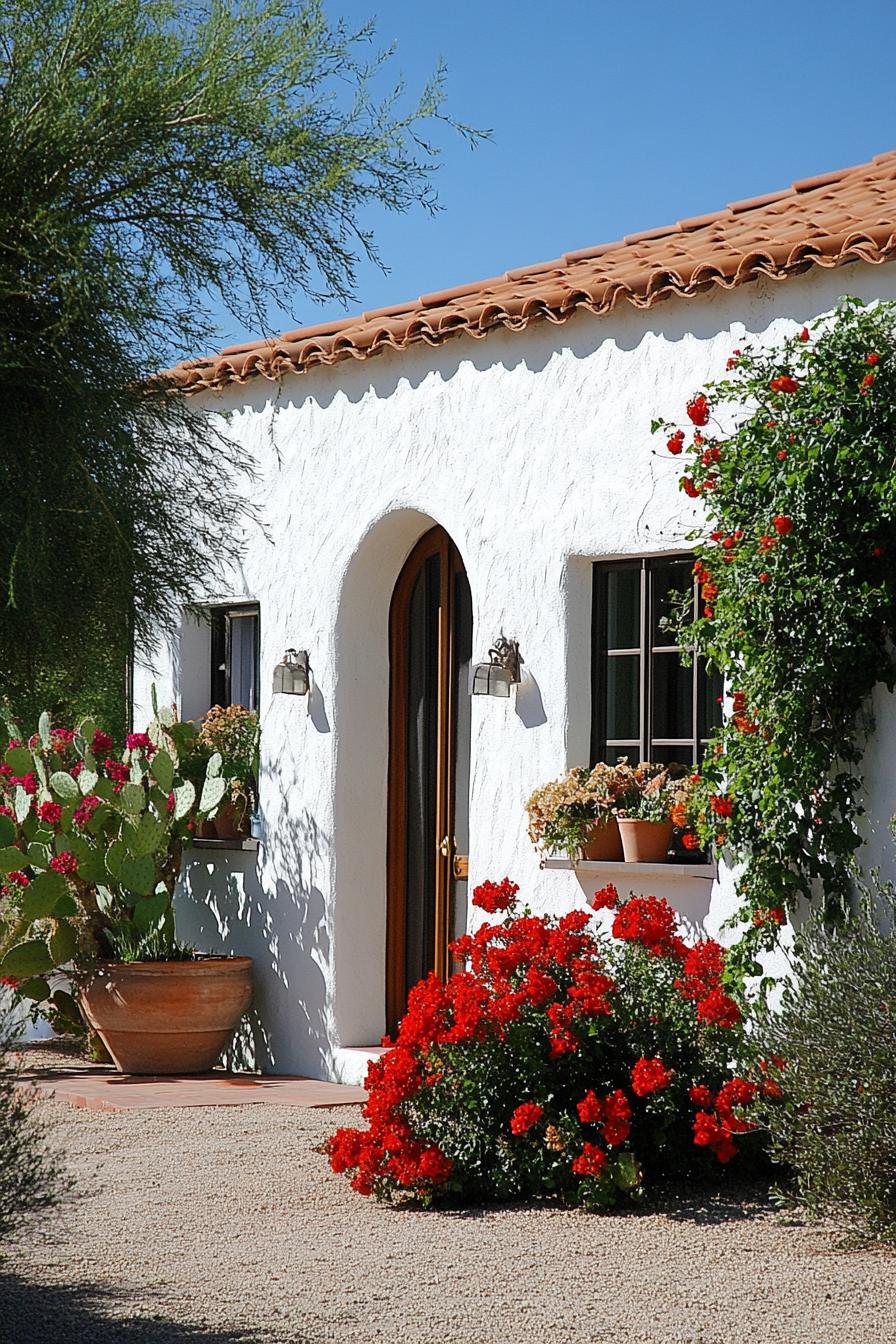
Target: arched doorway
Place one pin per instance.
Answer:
(430, 647)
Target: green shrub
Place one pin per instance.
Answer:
(30, 1178)
(835, 1032)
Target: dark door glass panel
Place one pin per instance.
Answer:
(672, 697)
(623, 608)
(709, 708)
(422, 734)
(623, 697)
(671, 582)
(463, 654)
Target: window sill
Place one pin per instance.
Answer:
(675, 872)
(249, 844)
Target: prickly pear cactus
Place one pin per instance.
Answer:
(91, 841)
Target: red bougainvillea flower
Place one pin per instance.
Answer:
(763, 577)
(710, 1133)
(66, 863)
(691, 490)
(649, 1075)
(651, 921)
(617, 1119)
(872, 359)
(782, 454)
(494, 897)
(771, 1090)
(767, 543)
(782, 524)
(702, 969)
(698, 410)
(590, 1161)
(50, 812)
(525, 1117)
(10, 981)
(722, 805)
(590, 1109)
(718, 1010)
(784, 384)
(690, 840)
(868, 380)
(804, 334)
(101, 744)
(675, 443)
(702, 1096)
(605, 899)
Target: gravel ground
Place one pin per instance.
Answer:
(223, 1225)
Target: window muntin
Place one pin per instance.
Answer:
(646, 704)
(235, 648)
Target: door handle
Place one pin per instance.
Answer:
(461, 866)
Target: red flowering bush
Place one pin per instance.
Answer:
(791, 457)
(562, 1061)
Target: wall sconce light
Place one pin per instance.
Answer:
(500, 672)
(291, 677)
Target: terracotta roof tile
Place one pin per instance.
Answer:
(827, 220)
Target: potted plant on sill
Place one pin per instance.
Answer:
(90, 851)
(233, 733)
(577, 813)
(651, 814)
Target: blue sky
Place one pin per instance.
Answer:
(609, 118)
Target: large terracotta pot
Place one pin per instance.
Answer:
(168, 1017)
(645, 841)
(602, 841)
(231, 823)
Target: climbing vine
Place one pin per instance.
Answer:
(793, 455)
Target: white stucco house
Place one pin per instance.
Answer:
(435, 475)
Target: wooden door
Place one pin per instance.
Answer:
(430, 639)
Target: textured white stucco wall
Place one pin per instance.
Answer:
(534, 452)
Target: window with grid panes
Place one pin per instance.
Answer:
(645, 703)
(235, 655)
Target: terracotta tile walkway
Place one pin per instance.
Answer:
(101, 1089)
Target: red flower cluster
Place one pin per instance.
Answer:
(117, 770)
(721, 805)
(676, 442)
(605, 899)
(141, 741)
(590, 1161)
(782, 524)
(698, 410)
(50, 813)
(66, 863)
(713, 1128)
(649, 1075)
(495, 896)
(525, 1117)
(651, 922)
(85, 810)
(784, 384)
(101, 744)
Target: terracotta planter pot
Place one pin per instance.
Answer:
(603, 841)
(230, 823)
(168, 1017)
(645, 841)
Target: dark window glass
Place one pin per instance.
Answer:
(647, 704)
(235, 656)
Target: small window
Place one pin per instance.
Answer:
(645, 703)
(235, 656)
